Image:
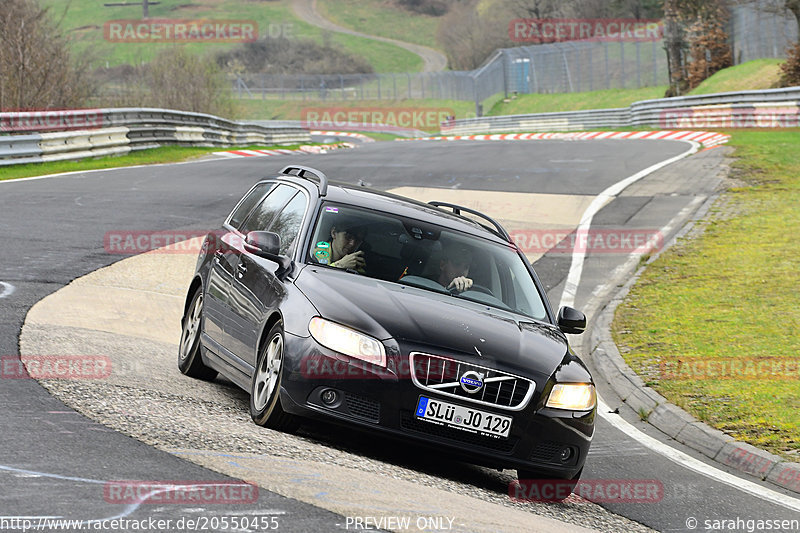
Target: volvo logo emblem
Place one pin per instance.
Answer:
(471, 381)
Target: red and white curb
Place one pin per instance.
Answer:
(361, 137)
(324, 149)
(708, 139)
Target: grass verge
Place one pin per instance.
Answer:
(546, 103)
(165, 154)
(712, 323)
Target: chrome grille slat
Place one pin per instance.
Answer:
(443, 383)
(500, 378)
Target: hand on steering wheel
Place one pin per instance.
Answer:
(460, 284)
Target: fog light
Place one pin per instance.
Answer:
(565, 455)
(329, 397)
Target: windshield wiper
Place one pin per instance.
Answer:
(421, 286)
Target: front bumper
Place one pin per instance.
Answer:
(383, 400)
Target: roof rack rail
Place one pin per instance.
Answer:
(499, 230)
(301, 172)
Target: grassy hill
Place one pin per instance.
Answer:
(378, 17)
(84, 20)
(753, 75)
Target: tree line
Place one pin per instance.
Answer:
(37, 70)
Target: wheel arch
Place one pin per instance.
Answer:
(196, 283)
(273, 319)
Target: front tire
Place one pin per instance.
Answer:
(265, 387)
(190, 362)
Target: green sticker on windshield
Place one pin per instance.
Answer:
(322, 254)
(323, 244)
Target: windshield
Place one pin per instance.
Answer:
(422, 255)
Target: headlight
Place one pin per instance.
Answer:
(572, 396)
(347, 341)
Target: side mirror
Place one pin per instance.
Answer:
(571, 320)
(267, 244)
(263, 244)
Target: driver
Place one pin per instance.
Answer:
(454, 267)
(341, 251)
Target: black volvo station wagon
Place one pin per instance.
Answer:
(423, 321)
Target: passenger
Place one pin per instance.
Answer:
(454, 267)
(341, 251)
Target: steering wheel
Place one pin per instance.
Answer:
(475, 287)
(480, 288)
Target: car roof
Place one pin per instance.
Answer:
(361, 196)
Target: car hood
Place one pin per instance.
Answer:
(414, 316)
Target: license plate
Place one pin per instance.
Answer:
(463, 418)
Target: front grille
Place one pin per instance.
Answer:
(443, 375)
(363, 407)
(411, 423)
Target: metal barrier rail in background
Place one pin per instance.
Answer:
(41, 136)
(771, 108)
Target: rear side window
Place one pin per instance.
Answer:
(261, 217)
(243, 209)
(287, 225)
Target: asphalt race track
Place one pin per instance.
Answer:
(56, 461)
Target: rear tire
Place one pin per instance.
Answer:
(190, 362)
(265, 387)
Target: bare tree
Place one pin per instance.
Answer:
(536, 9)
(709, 43)
(177, 79)
(539, 9)
(469, 36)
(36, 70)
(790, 76)
(794, 7)
(674, 44)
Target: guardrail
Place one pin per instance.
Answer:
(772, 108)
(36, 137)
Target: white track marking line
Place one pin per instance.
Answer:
(600, 201)
(6, 289)
(634, 256)
(129, 508)
(696, 465)
(617, 421)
